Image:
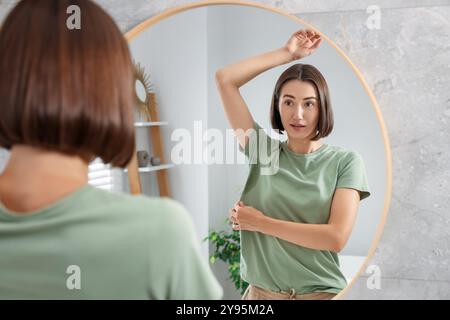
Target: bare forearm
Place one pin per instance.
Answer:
(313, 236)
(239, 73)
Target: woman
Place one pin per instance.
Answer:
(297, 213)
(67, 98)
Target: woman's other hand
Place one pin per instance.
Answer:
(303, 43)
(246, 218)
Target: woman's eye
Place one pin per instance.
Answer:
(309, 104)
(288, 103)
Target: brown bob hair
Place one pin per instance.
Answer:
(305, 72)
(66, 90)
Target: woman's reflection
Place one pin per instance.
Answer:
(295, 219)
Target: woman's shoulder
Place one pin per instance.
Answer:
(344, 154)
(140, 206)
(167, 208)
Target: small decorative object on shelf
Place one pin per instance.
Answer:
(143, 158)
(155, 161)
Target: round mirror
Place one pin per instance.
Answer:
(183, 49)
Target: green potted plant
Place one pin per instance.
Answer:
(228, 249)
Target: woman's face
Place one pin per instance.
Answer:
(299, 109)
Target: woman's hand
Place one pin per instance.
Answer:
(246, 218)
(302, 43)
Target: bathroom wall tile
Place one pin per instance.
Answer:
(400, 289)
(406, 63)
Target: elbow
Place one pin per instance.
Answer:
(220, 78)
(338, 242)
(223, 78)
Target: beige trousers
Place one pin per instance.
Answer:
(256, 293)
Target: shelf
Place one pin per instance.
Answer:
(150, 124)
(154, 168)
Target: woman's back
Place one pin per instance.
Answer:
(94, 244)
(68, 98)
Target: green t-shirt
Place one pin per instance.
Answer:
(294, 187)
(110, 245)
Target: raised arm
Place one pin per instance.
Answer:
(230, 78)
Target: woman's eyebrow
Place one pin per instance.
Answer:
(291, 96)
(288, 96)
(309, 98)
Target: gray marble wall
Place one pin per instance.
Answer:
(407, 64)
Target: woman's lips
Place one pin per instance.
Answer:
(297, 127)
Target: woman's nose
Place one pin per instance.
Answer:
(299, 112)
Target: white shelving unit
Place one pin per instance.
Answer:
(150, 124)
(154, 168)
(154, 130)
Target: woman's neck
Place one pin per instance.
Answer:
(303, 146)
(34, 178)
